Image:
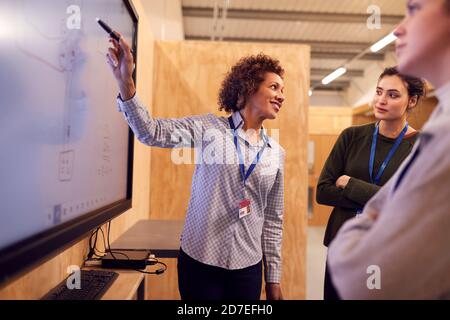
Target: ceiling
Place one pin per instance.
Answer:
(336, 29)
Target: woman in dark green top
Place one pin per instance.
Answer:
(352, 175)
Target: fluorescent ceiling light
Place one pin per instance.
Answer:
(391, 37)
(310, 92)
(334, 75)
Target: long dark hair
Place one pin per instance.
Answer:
(415, 86)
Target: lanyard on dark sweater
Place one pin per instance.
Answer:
(389, 156)
(386, 161)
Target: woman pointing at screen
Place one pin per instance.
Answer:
(234, 220)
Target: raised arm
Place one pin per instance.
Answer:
(164, 133)
(121, 61)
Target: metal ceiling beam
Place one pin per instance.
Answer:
(328, 89)
(346, 56)
(343, 84)
(325, 72)
(316, 44)
(342, 50)
(276, 15)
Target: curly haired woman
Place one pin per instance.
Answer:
(235, 216)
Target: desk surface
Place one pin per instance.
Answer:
(125, 287)
(161, 238)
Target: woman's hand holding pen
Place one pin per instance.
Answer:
(121, 60)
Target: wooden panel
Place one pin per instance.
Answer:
(422, 112)
(42, 279)
(165, 286)
(329, 120)
(361, 119)
(326, 124)
(323, 146)
(187, 81)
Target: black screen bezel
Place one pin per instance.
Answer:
(23, 256)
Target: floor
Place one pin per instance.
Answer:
(316, 257)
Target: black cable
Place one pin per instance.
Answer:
(92, 248)
(157, 272)
(104, 242)
(93, 251)
(109, 243)
(160, 271)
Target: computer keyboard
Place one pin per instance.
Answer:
(94, 284)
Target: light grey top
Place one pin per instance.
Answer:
(408, 244)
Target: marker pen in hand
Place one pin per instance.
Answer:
(116, 37)
(108, 30)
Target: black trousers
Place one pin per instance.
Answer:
(200, 282)
(329, 292)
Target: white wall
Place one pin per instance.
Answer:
(328, 99)
(362, 89)
(166, 19)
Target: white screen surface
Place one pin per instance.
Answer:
(63, 144)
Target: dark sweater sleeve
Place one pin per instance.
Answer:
(327, 192)
(360, 191)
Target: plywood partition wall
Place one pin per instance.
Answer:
(42, 279)
(329, 120)
(187, 80)
(323, 144)
(325, 126)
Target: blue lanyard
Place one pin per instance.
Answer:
(389, 156)
(246, 175)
